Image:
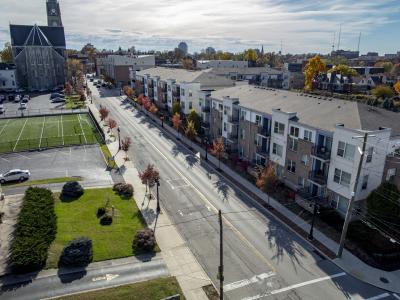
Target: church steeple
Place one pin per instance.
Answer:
(53, 13)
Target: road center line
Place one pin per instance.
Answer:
(245, 282)
(295, 286)
(396, 296)
(202, 196)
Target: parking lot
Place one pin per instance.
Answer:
(36, 105)
(83, 161)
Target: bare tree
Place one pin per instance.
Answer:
(125, 145)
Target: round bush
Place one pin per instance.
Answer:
(78, 253)
(124, 189)
(106, 219)
(118, 187)
(101, 211)
(144, 240)
(72, 190)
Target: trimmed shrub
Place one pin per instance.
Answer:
(124, 189)
(106, 219)
(72, 190)
(101, 211)
(144, 240)
(78, 253)
(36, 229)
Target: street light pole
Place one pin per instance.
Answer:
(119, 139)
(310, 235)
(221, 258)
(206, 141)
(158, 198)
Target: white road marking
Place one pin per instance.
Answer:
(4, 127)
(41, 135)
(4, 159)
(245, 282)
(23, 127)
(379, 296)
(62, 130)
(295, 286)
(396, 296)
(209, 209)
(83, 133)
(180, 212)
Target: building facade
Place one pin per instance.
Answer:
(207, 64)
(8, 77)
(39, 52)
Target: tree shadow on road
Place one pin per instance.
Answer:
(191, 160)
(175, 150)
(222, 189)
(282, 242)
(67, 277)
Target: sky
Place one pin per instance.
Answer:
(300, 26)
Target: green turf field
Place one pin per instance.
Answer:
(49, 131)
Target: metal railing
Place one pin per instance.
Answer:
(319, 177)
(263, 131)
(321, 152)
(40, 112)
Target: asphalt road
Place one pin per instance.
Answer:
(84, 161)
(67, 283)
(262, 259)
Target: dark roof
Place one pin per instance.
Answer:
(32, 36)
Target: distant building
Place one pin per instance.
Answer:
(210, 51)
(121, 68)
(184, 47)
(39, 52)
(8, 77)
(293, 76)
(206, 64)
(346, 53)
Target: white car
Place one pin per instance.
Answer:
(22, 105)
(14, 175)
(2, 109)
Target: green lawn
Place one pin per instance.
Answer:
(47, 131)
(78, 218)
(73, 102)
(149, 290)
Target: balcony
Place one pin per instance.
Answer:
(262, 131)
(318, 177)
(262, 151)
(306, 198)
(233, 119)
(321, 152)
(205, 109)
(232, 136)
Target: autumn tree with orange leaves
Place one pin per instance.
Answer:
(218, 150)
(103, 113)
(314, 67)
(267, 180)
(177, 122)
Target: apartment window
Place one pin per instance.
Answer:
(190, 94)
(369, 154)
(277, 149)
(342, 177)
(293, 144)
(364, 182)
(279, 128)
(308, 135)
(243, 115)
(224, 126)
(346, 150)
(304, 159)
(182, 92)
(340, 203)
(294, 131)
(291, 167)
(241, 152)
(169, 88)
(301, 181)
(242, 133)
(190, 105)
(258, 119)
(220, 107)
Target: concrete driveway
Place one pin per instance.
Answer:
(84, 161)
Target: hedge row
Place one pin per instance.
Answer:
(35, 231)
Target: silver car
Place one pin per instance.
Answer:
(15, 175)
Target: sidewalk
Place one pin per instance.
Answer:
(349, 262)
(177, 256)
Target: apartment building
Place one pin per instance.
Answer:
(314, 142)
(257, 75)
(8, 77)
(166, 86)
(121, 68)
(207, 64)
(293, 76)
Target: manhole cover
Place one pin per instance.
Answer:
(384, 280)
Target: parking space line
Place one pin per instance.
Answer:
(23, 127)
(41, 135)
(294, 286)
(80, 123)
(62, 130)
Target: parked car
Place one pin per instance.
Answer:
(56, 95)
(27, 96)
(11, 97)
(91, 79)
(23, 105)
(2, 109)
(24, 100)
(14, 175)
(57, 100)
(2, 98)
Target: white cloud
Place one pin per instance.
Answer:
(302, 25)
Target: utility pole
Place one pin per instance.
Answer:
(221, 257)
(340, 35)
(315, 211)
(351, 203)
